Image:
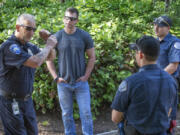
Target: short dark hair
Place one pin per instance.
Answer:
(149, 46)
(73, 10)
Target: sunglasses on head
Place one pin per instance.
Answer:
(160, 19)
(70, 18)
(28, 28)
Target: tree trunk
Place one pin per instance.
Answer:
(62, 1)
(154, 1)
(167, 2)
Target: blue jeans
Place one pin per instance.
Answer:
(82, 94)
(21, 124)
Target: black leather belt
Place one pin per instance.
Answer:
(11, 96)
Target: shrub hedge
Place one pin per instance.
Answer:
(112, 24)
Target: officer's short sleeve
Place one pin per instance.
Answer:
(36, 50)
(174, 53)
(121, 100)
(15, 56)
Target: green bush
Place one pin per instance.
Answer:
(112, 24)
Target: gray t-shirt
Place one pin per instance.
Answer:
(71, 53)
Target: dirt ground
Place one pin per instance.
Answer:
(54, 123)
(51, 124)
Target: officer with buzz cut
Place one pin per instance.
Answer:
(144, 100)
(18, 60)
(169, 57)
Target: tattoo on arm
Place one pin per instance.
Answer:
(41, 56)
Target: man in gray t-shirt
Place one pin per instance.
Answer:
(73, 44)
(71, 56)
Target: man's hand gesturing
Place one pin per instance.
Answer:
(44, 34)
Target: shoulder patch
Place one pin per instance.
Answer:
(14, 48)
(177, 45)
(122, 86)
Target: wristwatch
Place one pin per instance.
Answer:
(56, 79)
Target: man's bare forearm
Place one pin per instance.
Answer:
(41, 56)
(172, 67)
(37, 60)
(52, 55)
(91, 61)
(117, 116)
(52, 69)
(90, 66)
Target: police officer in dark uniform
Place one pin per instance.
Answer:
(169, 57)
(18, 60)
(145, 100)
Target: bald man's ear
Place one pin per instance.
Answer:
(141, 55)
(17, 28)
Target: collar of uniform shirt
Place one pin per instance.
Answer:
(166, 38)
(149, 66)
(17, 40)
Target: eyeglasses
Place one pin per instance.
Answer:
(160, 20)
(70, 18)
(28, 28)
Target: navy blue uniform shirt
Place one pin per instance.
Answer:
(169, 52)
(14, 76)
(138, 97)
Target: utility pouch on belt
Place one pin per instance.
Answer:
(130, 130)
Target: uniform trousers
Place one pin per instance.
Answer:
(23, 123)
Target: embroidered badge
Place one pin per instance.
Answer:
(14, 48)
(177, 45)
(122, 86)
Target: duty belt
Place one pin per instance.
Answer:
(11, 96)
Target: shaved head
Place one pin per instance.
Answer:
(25, 17)
(25, 27)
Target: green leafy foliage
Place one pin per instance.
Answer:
(113, 25)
